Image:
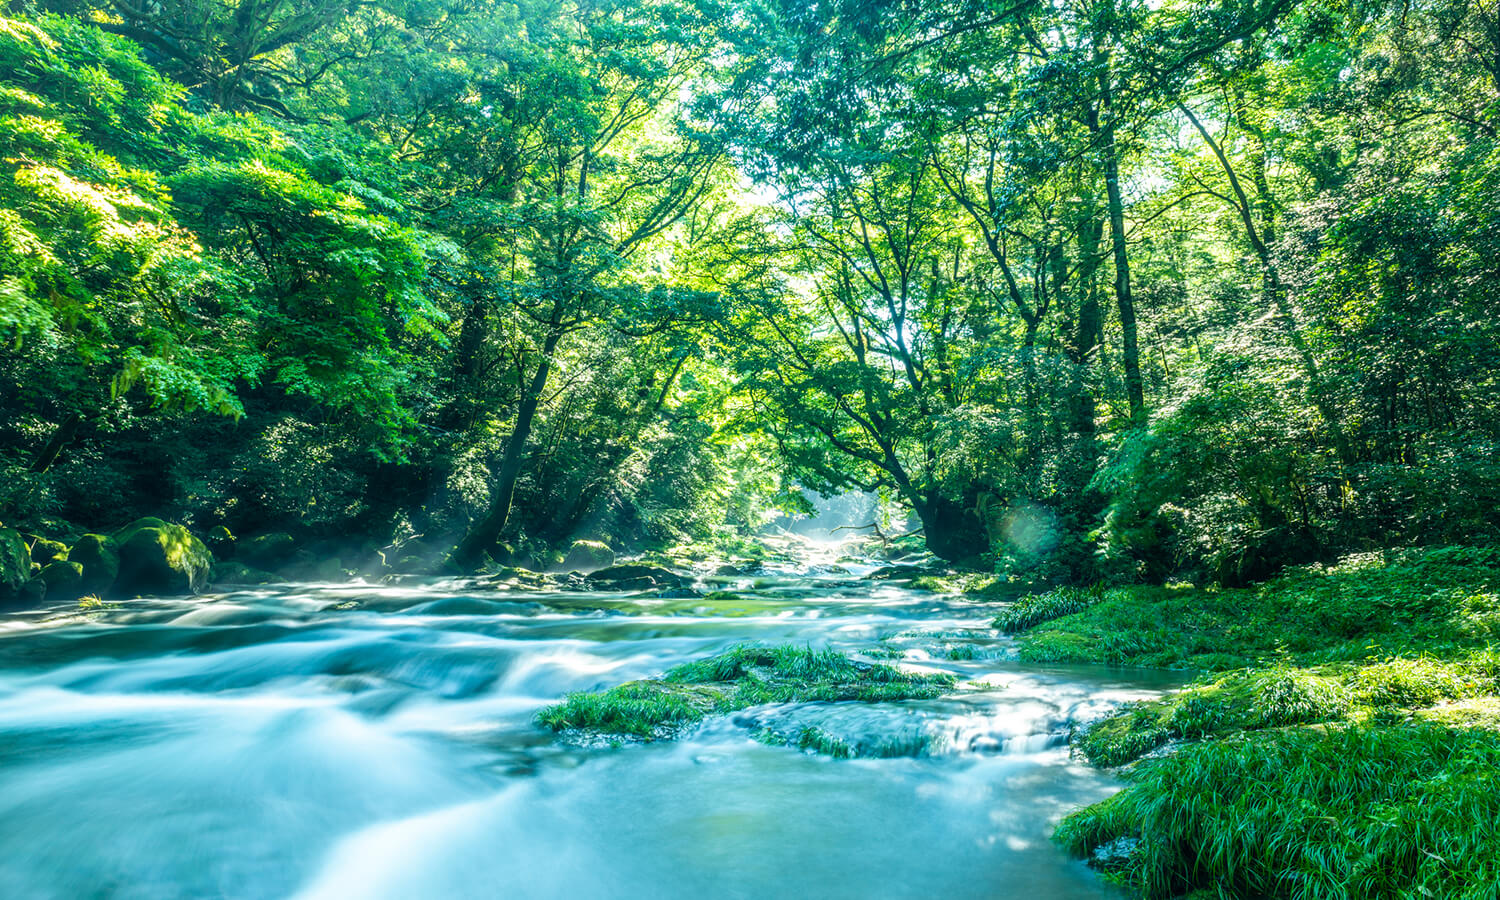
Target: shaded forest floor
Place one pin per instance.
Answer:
(1344, 740)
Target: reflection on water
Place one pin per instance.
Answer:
(360, 741)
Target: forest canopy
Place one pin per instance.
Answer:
(1085, 290)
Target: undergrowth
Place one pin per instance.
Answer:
(1362, 811)
(739, 678)
(1350, 751)
(1034, 609)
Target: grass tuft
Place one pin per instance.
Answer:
(1034, 609)
(1352, 811)
(738, 678)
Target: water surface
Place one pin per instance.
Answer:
(356, 741)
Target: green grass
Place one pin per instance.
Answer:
(1350, 751)
(1034, 609)
(1364, 811)
(1399, 603)
(739, 678)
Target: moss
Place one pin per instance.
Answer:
(99, 555)
(587, 556)
(739, 678)
(15, 563)
(64, 580)
(160, 557)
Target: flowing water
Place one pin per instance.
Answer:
(357, 741)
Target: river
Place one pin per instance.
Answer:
(368, 741)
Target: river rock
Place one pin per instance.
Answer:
(636, 577)
(15, 565)
(588, 556)
(159, 557)
(235, 572)
(267, 551)
(44, 551)
(64, 580)
(220, 541)
(100, 557)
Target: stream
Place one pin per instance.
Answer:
(369, 741)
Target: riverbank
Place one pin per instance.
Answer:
(1343, 741)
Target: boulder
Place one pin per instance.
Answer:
(588, 556)
(236, 572)
(633, 576)
(15, 564)
(158, 557)
(32, 593)
(267, 551)
(64, 580)
(44, 551)
(220, 542)
(100, 558)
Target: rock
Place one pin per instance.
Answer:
(15, 564)
(266, 551)
(236, 572)
(100, 557)
(642, 583)
(678, 593)
(220, 542)
(64, 580)
(1116, 855)
(44, 551)
(32, 593)
(588, 556)
(617, 576)
(157, 557)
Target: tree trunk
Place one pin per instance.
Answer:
(484, 533)
(952, 531)
(1134, 386)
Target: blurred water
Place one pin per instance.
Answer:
(364, 741)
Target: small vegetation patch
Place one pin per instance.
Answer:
(817, 740)
(1034, 609)
(739, 678)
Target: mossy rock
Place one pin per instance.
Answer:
(588, 556)
(236, 572)
(267, 551)
(44, 551)
(161, 558)
(100, 557)
(15, 563)
(220, 542)
(64, 580)
(635, 576)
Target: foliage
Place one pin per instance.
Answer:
(1366, 811)
(1034, 609)
(1402, 602)
(736, 679)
